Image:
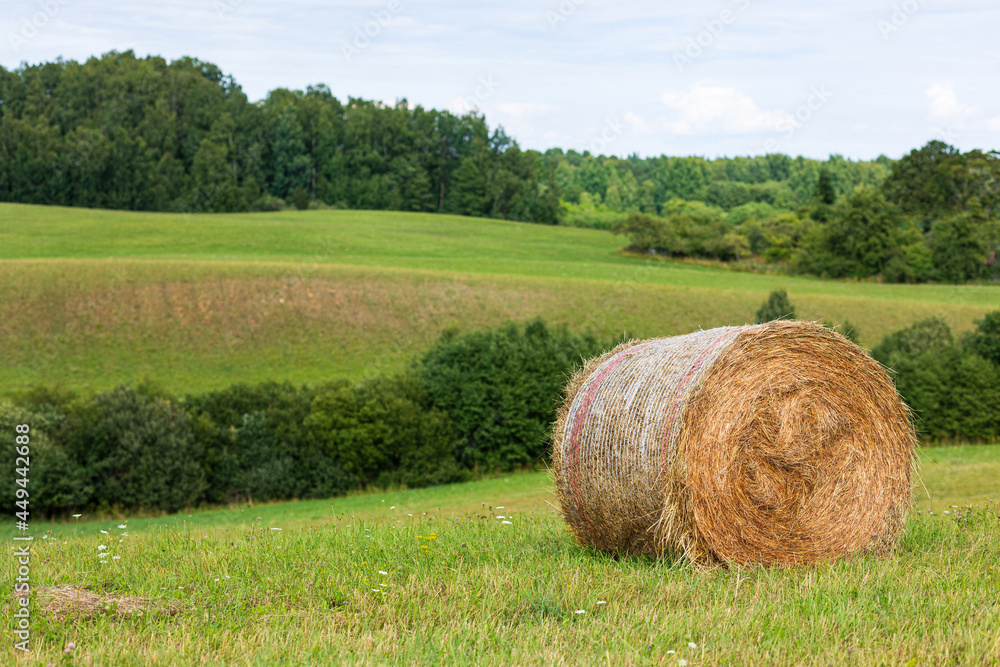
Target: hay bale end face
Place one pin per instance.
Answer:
(780, 443)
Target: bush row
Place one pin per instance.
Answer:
(953, 386)
(474, 402)
(479, 401)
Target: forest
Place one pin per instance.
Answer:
(121, 132)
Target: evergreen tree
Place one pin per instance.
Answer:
(470, 188)
(777, 307)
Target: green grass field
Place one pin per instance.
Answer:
(90, 299)
(435, 576)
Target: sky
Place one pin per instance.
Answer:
(858, 78)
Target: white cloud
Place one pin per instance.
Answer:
(993, 124)
(636, 123)
(718, 108)
(945, 105)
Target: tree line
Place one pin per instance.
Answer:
(123, 132)
(935, 216)
(475, 402)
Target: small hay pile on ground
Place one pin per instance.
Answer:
(781, 443)
(70, 600)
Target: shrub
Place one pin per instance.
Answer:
(379, 433)
(985, 340)
(264, 469)
(928, 335)
(278, 409)
(56, 482)
(777, 307)
(139, 451)
(954, 392)
(300, 198)
(501, 388)
(269, 202)
(646, 233)
(954, 395)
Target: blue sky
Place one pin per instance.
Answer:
(736, 77)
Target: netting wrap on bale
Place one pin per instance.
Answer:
(776, 443)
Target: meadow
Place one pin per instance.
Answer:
(90, 299)
(484, 572)
(487, 573)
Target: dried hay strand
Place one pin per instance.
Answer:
(780, 443)
(81, 602)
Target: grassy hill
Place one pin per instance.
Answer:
(89, 298)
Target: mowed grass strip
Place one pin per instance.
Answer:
(402, 240)
(90, 324)
(484, 573)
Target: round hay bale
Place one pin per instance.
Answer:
(780, 443)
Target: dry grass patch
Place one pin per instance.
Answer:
(82, 602)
